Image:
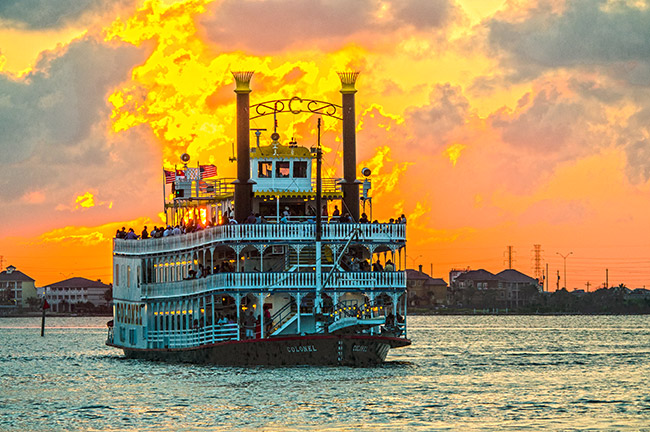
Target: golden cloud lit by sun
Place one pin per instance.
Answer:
(453, 152)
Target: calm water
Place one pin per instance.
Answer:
(462, 373)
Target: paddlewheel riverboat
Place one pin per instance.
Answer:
(277, 282)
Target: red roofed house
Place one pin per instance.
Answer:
(479, 288)
(16, 288)
(423, 290)
(520, 288)
(63, 296)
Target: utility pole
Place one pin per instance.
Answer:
(547, 278)
(565, 257)
(606, 278)
(537, 260)
(510, 252)
(588, 285)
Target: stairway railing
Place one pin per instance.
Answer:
(282, 316)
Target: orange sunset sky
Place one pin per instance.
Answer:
(489, 123)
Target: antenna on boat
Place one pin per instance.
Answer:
(319, 187)
(233, 158)
(317, 298)
(258, 133)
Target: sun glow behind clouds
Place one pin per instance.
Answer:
(453, 152)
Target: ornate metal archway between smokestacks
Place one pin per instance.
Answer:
(296, 105)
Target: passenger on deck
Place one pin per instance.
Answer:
(345, 218)
(364, 218)
(249, 325)
(121, 233)
(284, 219)
(268, 321)
(377, 267)
(335, 214)
(250, 219)
(389, 266)
(131, 235)
(145, 233)
(176, 230)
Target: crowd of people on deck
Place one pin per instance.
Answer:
(253, 218)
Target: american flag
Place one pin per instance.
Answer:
(208, 171)
(170, 176)
(180, 174)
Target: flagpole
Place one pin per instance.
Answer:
(164, 198)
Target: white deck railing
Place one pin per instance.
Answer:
(271, 281)
(261, 232)
(192, 337)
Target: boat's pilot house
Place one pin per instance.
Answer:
(284, 172)
(278, 168)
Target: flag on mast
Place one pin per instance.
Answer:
(208, 171)
(170, 176)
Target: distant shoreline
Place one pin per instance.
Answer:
(417, 313)
(53, 315)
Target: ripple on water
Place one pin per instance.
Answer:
(462, 373)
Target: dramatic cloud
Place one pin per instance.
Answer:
(299, 23)
(55, 123)
(46, 14)
(434, 123)
(613, 36)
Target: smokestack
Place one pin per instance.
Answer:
(243, 184)
(349, 183)
(420, 266)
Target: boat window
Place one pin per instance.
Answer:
(300, 169)
(264, 169)
(282, 169)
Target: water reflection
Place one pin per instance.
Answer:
(461, 373)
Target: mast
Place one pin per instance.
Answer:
(319, 228)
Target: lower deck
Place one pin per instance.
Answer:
(323, 350)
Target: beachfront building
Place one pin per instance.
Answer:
(68, 295)
(424, 290)
(16, 288)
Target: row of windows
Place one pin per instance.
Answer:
(67, 297)
(282, 169)
(128, 313)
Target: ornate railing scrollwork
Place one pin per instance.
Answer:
(296, 105)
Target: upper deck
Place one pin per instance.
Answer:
(268, 233)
